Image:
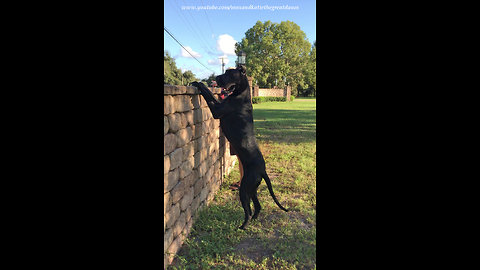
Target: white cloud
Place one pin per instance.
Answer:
(226, 44)
(184, 53)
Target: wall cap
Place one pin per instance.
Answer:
(186, 90)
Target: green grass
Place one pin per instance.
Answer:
(285, 132)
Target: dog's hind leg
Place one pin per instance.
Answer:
(245, 200)
(256, 204)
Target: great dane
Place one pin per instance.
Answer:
(236, 122)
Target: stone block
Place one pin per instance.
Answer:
(176, 158)
(209, 174)
(183, 121)
(188, 214)
(178, 191)
(195, 204)
(196, 101)
(203, 103)
(182, 103)
(190, 179)
(211, 148)
(165, 125)
(169, 143)
(168, 107)
(174, 89)
(203, 195)
(197, 159)
(172, 215)
(175, 122)
(167, 202)
(189, 225)
(171, 180)
(187, 199)
(186, 167)
(197, 115)
(206, 114)
(189, 118)
(174, 246)
(192, 90)
(197, 130)
(188, 150)
(166, 164)
(197, 187)
(184, 136)
(205, 127)
(200, 143)
(179, 224)
(202, 169)
(167, 239)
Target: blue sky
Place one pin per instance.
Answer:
(209, 33)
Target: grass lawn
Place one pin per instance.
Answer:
(285, 132)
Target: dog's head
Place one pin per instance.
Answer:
(232, 78)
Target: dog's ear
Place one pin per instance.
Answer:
(242, 69)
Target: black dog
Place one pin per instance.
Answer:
(236, 121)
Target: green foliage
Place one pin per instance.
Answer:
(210, 79)
(279, 54)
(188, 77)
(310, 71)
(256, 100)
(173, 75)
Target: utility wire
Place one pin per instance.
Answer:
(202, 36)
(208, 20)
(184, 19)
(195, 30)
(164, 28)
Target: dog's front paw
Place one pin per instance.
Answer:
(194, 84)
(199, 85)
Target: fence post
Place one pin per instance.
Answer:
(287, 92)
(250, 83)
(256, 89)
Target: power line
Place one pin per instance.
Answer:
(208, 20)
(191, 17)
(195, 29)
(164, 28)
(184, 19)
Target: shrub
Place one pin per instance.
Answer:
(292, 98)
(256, 100)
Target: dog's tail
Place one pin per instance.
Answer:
(269, 185)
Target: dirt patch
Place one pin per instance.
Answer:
(253, 249)
(301, 219)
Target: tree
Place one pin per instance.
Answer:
(210, 79)
(188, 77)
(277, 54)
(173, 75)
(310, 71)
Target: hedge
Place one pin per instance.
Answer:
(256, 100)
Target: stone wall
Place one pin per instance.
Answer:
(196, 158)
(271, 92)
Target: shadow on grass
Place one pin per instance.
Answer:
(285, 126)
(281, 239)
